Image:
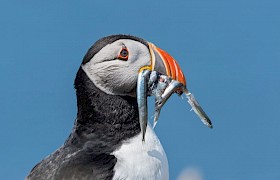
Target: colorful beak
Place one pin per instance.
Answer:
(165, 64)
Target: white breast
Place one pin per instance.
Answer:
(137, 160)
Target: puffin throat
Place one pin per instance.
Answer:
(103, 118)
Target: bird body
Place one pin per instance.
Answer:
(106, 127)
(107, 141)
(103, 122)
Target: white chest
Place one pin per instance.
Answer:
(141, 161)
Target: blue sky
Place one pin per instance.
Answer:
(229, 51)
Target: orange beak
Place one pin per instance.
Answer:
(165, 64)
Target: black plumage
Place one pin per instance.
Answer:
(103, 121)
(108, 40)
(98, 131)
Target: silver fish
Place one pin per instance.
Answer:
(152, 83)
(142, 91)
(172, 87)
(198, 109)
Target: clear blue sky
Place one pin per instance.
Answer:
(229, 51)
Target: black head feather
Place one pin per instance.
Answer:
(98, 45)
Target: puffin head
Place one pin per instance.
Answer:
(120, 65)
(113, 63)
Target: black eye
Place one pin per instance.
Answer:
(123, 54)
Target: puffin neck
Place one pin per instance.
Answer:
(103, 119)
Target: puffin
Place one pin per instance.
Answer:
(106, 141)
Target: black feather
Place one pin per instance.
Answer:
(98, 45)
(103, 122)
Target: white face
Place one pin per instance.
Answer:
(116, 76)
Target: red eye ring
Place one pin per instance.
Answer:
(123, 55)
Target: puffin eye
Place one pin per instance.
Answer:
(123, 54)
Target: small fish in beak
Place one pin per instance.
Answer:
(198, 109)
(152, 83)
(162, 79)
(142, 92)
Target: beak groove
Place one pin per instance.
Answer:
(164, 63)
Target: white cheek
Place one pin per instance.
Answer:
(113, 76)
(140, 58)
(109, 52)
